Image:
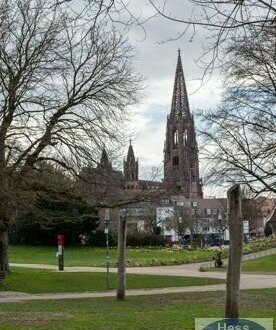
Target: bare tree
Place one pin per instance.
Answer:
(220, 14)
(240, 134)
(220, 221)
(185, 218)
(221, 20)
(65, 80)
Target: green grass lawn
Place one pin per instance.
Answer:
(159, 312)
(265, 264)
(91, 256)
(40, 281)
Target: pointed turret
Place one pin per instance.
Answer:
(104, 162)
(180, 104)
(131, 165)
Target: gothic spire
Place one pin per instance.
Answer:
(181, 166)
(130, 153)
(180, 103)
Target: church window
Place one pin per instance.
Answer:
(175, 138)
(175, 160)
(184, 137)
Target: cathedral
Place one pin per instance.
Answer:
(181, 165)
(155, 203)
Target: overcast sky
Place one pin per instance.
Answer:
(156, 61)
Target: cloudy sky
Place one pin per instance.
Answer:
(156, 61)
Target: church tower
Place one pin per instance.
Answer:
(181, 166)
(131, 166)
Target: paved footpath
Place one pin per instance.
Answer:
(248, 281)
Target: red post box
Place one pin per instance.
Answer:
(61, 240)
(60, 253)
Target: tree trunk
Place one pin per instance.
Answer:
(273, 229)
(4, 260)
(235, 252)
(121, 259)
(191, 237)
(7, 216)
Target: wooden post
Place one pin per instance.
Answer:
(235, 252)
(121, 259)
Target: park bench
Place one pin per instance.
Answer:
(2, 278)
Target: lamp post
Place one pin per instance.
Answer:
(180, 228)
(106, 222)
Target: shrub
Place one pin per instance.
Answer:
(146, 239)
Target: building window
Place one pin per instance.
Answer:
(194, 204)
(179, 203)
(208, 211)
(141, 225)
(184, 137)
(175, 160)
(215, 211)
(175, 138)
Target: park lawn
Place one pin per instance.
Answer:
(92, 256)
(43, 281)
(140, 256)
(265, 264)
(159, 312)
